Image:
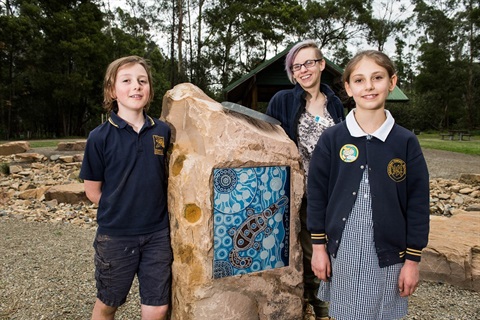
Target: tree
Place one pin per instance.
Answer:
(470, 23)
(53, 54)
(449, 53)
(334, 23)
(69, 81)
(389, 22)
(50, 45)
(240, 34)
(53, 61)
(20, 37)
(436, 81)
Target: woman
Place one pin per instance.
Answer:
(305, 112)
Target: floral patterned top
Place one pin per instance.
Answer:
(310, 128)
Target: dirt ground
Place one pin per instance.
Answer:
(46, 270)
(450, 165)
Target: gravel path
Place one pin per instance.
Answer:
(47, 269)
(47, 273)
(450, 165)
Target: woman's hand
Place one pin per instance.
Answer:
(321, 262)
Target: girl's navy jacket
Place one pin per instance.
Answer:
(399, 185)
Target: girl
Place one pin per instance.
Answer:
(368, 206)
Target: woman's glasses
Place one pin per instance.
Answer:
(307, 64)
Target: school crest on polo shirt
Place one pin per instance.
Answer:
(397, 169)
(349, 153)
(158, 145)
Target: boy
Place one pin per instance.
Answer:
(124, 172)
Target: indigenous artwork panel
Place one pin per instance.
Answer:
(251, 219)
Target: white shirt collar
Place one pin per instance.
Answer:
(381, 133)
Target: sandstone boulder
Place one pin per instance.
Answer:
(37, 193)
(453, 251)
(205, 137)
(67, 193)
(15, 168)
(470, 178)
(29, 157)
(14, 147)
(72, 145)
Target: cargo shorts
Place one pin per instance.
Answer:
(119, 258)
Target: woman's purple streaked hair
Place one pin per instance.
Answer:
(293, 53)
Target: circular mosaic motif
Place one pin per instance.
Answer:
(225, 180)
(235, 189)
(222, 269)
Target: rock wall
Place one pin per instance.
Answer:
(205, 137)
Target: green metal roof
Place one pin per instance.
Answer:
(275, 76)
(397, 95)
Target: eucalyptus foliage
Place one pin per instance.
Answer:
(53, 54)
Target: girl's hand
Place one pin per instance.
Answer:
(321, 262)
(408, 279)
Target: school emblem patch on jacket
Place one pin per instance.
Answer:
(397, 169)
(158, 145)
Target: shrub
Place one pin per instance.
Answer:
(4, 168)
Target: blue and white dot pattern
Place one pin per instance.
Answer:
(251, 219)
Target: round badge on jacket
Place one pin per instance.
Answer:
(349, 153)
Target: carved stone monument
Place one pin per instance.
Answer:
(235, 188)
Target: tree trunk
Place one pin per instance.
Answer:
(172, 48)
(470, 89)
(180, 64)
(199, 37)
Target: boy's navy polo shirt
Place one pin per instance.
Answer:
(132, 168)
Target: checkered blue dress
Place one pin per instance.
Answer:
(359, 288)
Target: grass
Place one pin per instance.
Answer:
(43, 143)
(48, 143)
(434, 141)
